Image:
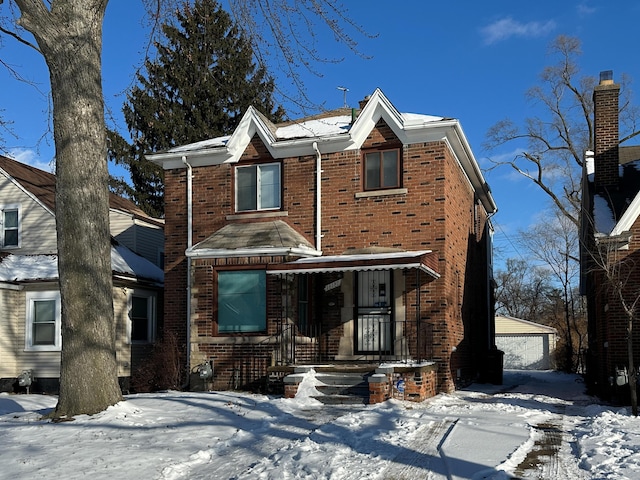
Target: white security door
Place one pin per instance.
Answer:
(373, 319)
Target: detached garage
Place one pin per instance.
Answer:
(526, 345)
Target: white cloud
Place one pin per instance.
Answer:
(30, 157)
(584, 9)
(506, 28)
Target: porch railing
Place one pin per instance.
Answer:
(399, 340)
(409, 340)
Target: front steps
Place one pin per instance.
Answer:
(335, 385)
(361, 384)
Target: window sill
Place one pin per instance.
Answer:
(43, 349)
(245, 338)
(250, 215)
(382, 193)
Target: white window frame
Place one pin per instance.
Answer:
(151, 316)
(259, 207)
(31, 299)
(3, 209)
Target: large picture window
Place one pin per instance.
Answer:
(242, 301)
(43, 321)
(382, 169)
(258, 187)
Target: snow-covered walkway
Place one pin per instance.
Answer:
(538, 425)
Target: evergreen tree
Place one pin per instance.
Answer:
(199, 85)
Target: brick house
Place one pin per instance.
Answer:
(610, 233)
(357, 236)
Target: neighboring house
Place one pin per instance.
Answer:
(352, 237)
(610, 226)
(30, 331)
(526, 345)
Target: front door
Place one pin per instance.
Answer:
(373, 333)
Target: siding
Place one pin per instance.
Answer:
(13, 357)
(37, 225)
(143, 238)
(509, 325)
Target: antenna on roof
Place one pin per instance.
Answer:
(344, 91)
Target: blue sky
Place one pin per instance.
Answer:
(469, 60)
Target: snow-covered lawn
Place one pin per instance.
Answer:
(536, 425)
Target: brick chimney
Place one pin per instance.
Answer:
(606, 137)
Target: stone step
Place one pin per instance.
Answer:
(339, 378)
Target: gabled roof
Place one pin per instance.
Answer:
(41, 186)
(330, 132)
(506, 324)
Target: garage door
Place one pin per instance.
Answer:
(527, 352)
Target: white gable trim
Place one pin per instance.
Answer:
(629, 218)
(26, 192)
(378, 107)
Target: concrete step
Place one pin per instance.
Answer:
(341, 388)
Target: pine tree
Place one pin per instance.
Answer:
(199, 85)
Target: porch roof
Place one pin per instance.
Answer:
(424, 260)
(253, 239)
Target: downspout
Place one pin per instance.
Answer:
(189, 245)
(318, 197)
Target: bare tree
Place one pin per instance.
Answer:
(553, 244)
(555, 142)
(69, 36)
(522, 290)
(68, 33)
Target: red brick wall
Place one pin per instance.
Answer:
(608, 344)
(435, 214)
(606, 112)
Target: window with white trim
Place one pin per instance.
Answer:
(142, 317)
(43, 328)
(258, 187)
(10, 226)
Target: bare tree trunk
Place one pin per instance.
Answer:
(70, 38)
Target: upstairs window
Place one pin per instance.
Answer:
(382, 169)
(258, 187)
(10, 226)
(43, 321)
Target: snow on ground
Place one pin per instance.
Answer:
(535, 425)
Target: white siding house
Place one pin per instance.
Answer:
(30, 330)
(526, 345)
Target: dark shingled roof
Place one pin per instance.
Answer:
(42, 185)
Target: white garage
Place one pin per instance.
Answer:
(526, 345)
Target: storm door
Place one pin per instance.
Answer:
(373, 312)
